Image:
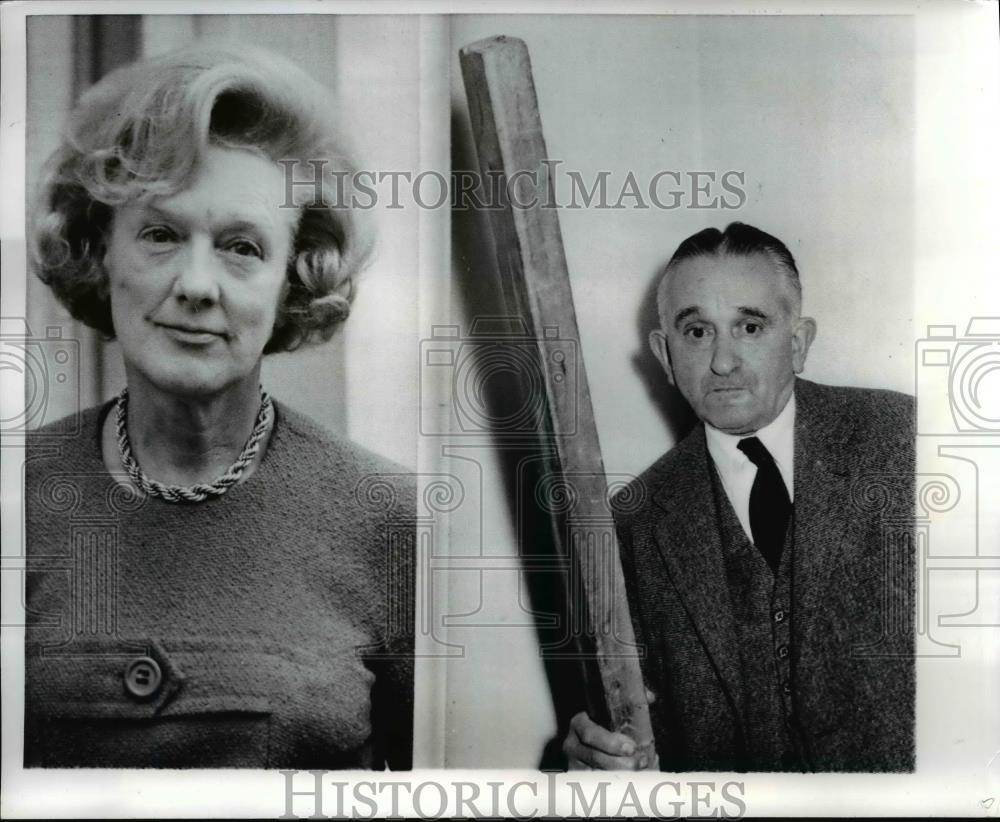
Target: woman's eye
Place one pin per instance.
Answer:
(245, 248)
(157, 234)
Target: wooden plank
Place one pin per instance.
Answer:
(535, 281)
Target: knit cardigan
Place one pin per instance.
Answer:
(279, 614)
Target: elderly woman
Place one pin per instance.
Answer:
(216, 581)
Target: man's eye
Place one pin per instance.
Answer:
(752, 328)
(245, 248)
(157, 234)
(697, 332)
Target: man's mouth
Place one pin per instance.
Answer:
(727, 393)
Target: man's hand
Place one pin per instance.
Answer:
(589, 746)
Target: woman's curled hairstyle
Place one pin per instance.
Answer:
(142, 131)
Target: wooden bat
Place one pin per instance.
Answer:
(535, 282)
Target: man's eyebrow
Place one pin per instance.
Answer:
(750, 311)
(684, 313)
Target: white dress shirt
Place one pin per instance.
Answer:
(735, 468)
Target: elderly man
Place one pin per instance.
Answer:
(769, 567)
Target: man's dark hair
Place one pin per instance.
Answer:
(738, 240)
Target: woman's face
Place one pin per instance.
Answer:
(196, 278)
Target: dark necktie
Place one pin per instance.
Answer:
(770, 505)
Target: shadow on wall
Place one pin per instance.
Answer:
(525, 454)
(521, 458)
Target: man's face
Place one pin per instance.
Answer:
(732, 341)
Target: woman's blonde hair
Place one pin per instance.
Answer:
(144, 129)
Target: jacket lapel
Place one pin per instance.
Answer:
(822, 495)
(689, 541)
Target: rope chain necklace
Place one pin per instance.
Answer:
(200, 491)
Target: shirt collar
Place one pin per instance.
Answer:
(778, 437)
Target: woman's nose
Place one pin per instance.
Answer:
(197, 280)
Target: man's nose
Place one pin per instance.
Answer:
(197, 281)
(725, 357)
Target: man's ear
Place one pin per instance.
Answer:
(803, 335)
(658, 344)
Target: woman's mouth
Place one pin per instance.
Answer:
(192, 335)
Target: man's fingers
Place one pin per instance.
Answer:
(604, 762)
(588, 745)
(594, 736)
(580, 757)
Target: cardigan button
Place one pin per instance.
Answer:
(143, 677)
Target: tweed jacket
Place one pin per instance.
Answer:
(852, 670)
(276, 618)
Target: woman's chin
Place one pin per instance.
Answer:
(195, 383)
